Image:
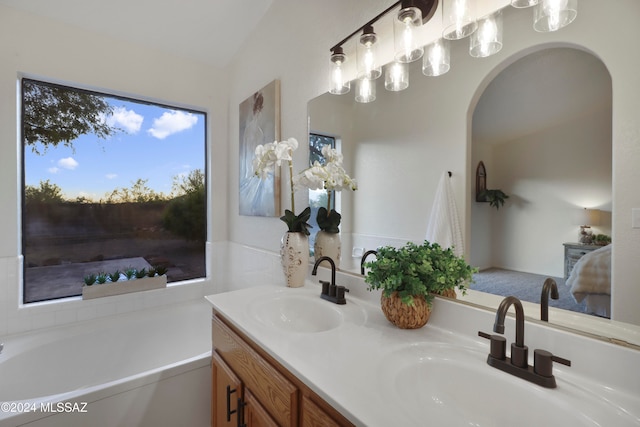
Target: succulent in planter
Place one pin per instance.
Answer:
(161, 269)
(417, 272)
(89, 279)
(130, 273)
(101, 278)
(115, 276)
(141, 273)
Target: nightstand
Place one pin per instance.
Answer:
(573, 252)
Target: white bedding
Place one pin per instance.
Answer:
(591, 279)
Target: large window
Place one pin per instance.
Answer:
(318, 198)
(109, 184)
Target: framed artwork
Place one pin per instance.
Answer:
(259, 124)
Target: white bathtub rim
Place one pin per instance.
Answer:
(98, 392)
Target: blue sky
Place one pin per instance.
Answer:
(157, 144)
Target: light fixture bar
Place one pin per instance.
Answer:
(428, 8)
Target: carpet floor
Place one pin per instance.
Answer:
(524, 286)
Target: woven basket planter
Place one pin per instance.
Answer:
(403, 315)
(449, 293)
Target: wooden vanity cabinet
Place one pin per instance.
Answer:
(250, 388)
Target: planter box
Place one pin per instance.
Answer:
(124, 287)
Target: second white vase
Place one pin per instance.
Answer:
(327, 244)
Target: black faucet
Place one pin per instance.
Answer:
(330, 291)
(541, 372)
(549, 287)
(364, 258)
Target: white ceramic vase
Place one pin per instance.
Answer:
(327, 244)
(294, 254)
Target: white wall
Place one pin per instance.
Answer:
(60, 53)
(287, 47)
(550, 176)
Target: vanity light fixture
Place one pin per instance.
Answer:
(408, 20)
(411, 13)
(487, 39)
(396, 77)
(367, 54)
(339, 85)
(436, 60)
(551, 15)
(458, 18)
(365, 90)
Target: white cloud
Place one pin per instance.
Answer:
(53, 169)
(172, 122)
(111, 175)
(128, 120)
(68, 163)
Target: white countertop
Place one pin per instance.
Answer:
(346, 365)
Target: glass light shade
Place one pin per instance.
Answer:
(520, 4)
(338, 85)
(487, 40)
(551, 15)
(396, 77)
(367, 55)
(365, 90)
(407, 48)
(458, 18)
(437, 59)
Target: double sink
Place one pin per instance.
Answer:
(428, 376)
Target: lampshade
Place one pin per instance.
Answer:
(408, 20)
(551, 15)
(458, 18)
(436, 60)
(367, 54)
(487, 39)
(589, 217)
(338, 85)
(396, 76)
(365, 90)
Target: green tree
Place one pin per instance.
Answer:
(185, 214)
(138, 193)
(45, 193)
(55, 114)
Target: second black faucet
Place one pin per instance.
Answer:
(330, 291)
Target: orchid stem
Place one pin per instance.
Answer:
(328, 202)
(293, 203)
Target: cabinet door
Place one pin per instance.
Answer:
(314, 416)
(254, 413)
(226, 391)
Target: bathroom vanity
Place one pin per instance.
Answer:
(249, 384)
(285, 356)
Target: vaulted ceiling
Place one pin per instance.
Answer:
(210, 31)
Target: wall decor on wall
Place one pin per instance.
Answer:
(259, 124)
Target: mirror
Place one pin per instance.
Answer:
(398, 146)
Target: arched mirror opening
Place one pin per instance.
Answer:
(546, 143)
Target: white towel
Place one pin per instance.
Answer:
(444, 226)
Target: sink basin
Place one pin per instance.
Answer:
(449, 385)
(304, 313)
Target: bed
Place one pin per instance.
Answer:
(590, 281)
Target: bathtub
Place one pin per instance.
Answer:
(146, 368)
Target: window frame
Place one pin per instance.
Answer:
(114, 95)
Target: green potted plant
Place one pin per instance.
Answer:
(410, 276)
(495, 197)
